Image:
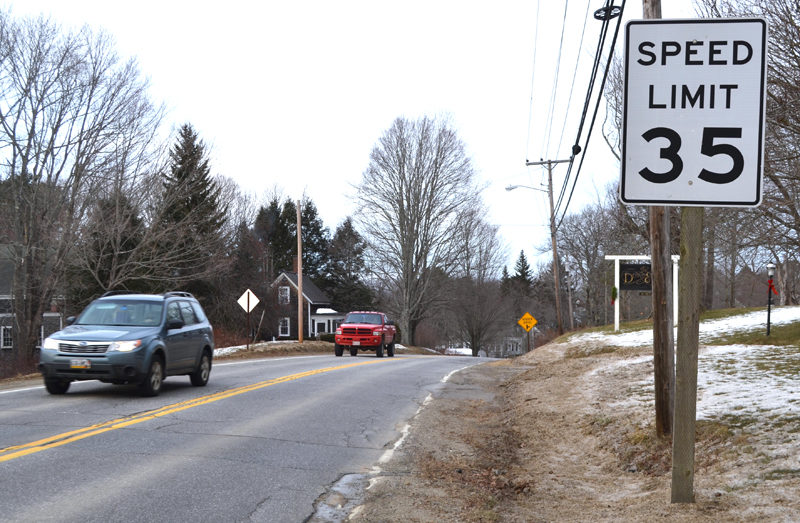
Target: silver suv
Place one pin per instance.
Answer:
(131, 338)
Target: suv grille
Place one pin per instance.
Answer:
(83, 349)
(357, 331)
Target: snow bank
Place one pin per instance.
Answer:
(708, 329)
(749, 382)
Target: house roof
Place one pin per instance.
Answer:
(310, 291)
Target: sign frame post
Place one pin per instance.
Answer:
(693, 136)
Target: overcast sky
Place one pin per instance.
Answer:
(296, 94)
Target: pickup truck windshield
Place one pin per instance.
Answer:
(372, 319)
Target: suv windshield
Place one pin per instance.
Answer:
(373, 319)
(122, 313)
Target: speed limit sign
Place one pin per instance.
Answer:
(693, 114)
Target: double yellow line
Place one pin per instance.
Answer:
(17, 451)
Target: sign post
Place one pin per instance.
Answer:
(248, 302)
(693, 136)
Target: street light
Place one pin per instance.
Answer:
(512, 187)
(770, 289)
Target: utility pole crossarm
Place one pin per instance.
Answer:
(548, 162)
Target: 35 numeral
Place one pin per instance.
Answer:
(708, 147)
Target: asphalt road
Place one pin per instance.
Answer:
(262, 442)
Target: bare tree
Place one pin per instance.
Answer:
(477, 302)
(126, 242)
(413, 195)
(66, 105)
(775, 226)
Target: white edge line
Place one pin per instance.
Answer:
(9, 391)
(389, 453)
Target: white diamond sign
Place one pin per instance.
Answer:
(248, 301)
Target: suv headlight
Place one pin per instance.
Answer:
(124, 346)
(376, 333)
(50, 344)
(338, 331)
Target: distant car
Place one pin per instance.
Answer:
(131, 338)
(365, 330)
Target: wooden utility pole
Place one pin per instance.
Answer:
(299, 278)
(661, 278)
(689, 295)
(550, 164)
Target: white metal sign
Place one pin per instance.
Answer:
(248, 300)
(693, 123)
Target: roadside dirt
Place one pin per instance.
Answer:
(558, 435)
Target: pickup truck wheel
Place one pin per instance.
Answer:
(353, 351)
(338, 349)
(151, 385)
(379, 349)
(390, 350)
(56, 385)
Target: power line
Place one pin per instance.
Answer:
(533, 76)
(574, 76)
(555, 82)
(587, 100)
(596, 107)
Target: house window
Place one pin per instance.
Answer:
(283, 295)
(283, 328)
(6, 338)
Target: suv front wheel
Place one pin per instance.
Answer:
(200, 376)
(151, 385)
(56, 385)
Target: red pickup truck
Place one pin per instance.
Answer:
(366, 331)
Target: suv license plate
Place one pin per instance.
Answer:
(356, 343)
(80, 364)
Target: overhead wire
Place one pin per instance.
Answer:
(533, 77)
(574, 77)
(594, 116)
(555, 82)
(598, 56)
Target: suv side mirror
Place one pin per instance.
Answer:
(70, 320)
(389, 322)
(174, 324)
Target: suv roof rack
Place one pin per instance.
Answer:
(178, 293)
(114, 293)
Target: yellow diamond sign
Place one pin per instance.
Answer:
(527, 322)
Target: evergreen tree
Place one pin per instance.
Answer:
(193, 195)
(316, 241)
(505, 282)
(275, 239)
(344, 281)
(522, 273)
(194, 212)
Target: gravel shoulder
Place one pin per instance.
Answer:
(563, 435)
